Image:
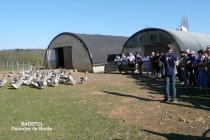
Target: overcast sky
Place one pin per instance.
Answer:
(34, 23)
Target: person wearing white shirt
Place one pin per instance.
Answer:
(131, 59)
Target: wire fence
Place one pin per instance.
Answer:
(15, 65)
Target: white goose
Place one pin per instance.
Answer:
(41, 84)
(54, 81)
(36, 79)
(18, 83)
(73, 81)
(29, 79)
(84, 79)
(66, 79)
(16, 78)
(3, 81)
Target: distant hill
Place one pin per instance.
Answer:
(35, 56)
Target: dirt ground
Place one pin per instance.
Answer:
(142, 105)
(188, 118)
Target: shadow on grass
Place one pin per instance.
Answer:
(184, 94)
(126, 95)
(174, 136)
(11, 87)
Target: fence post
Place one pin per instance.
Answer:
(17, 64)
(7, 64)
(29, 64)
(1, 69)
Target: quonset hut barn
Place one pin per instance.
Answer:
(155, 40)
(82, 51)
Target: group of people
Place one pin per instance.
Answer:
(196, 67)
(166, 63)
(135, 62)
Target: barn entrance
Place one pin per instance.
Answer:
(64, 57)
(155, 48)
(60, 62)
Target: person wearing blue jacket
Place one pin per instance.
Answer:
(192, 70)
(118, 62)
(169, 61)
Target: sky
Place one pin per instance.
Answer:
(34, 23)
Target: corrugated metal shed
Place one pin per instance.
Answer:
(190, 40)
(99, 46)
(185, 40)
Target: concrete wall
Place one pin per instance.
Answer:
(98, 69)
(80, 56)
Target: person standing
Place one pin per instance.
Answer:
(118, 62)
(192, 70)
(124, 61)
(161, 68)
(169, 62)
(139, 63)
(188, 68)
(131, 60)
(201, 73)
(156, 64)
(180, 68)
(146, 61)
(135, 55)
(152, 59)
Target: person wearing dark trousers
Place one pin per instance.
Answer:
(191, 69)
(156, 64)
(118, 63)
(180, 68)
(187, 57)
(131, 61)
(152, 59)
(169, 62)
(138, 62)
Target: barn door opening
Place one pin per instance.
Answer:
(68, 57)
(155, 48)
(60, 58)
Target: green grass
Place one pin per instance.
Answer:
(72, 113)
(15, 68)
(88, 111)
(10, 68)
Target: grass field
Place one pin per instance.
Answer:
(108, 106)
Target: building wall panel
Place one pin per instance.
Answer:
(80, 57)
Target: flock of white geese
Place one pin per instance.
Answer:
(41, 78)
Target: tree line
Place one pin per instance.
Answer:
(35, 56)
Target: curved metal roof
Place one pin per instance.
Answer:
(185, 40)
(99, 46)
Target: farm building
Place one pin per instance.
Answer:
(82, 51)
(155, 40)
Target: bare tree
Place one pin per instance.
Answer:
(185, 22)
